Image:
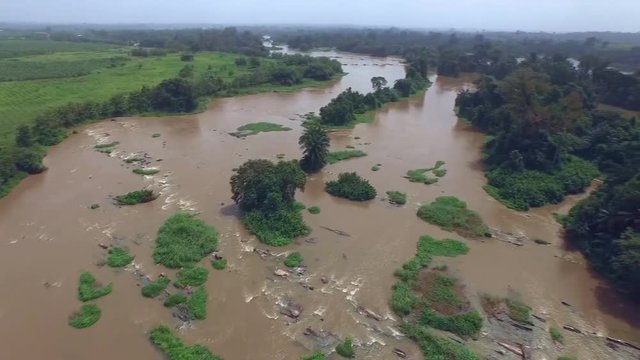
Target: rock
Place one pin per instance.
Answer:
(336, 231)
(571, 328)
(565, 303)
(46, 284)
(369, 313)
(281, 273)
(541, 242)
(513, 349)
(400, 353)
(291, 310)
(103, 246)
(324, 280)
(300, 270)
(263, 253)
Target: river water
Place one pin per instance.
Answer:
(49, 235)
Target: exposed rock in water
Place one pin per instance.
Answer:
(369, 313)
(400, 353)
(508, 237)
(291, 309)
(324, 280)
(281, 273)
(336, 231)
(541, 242)
(572, 329)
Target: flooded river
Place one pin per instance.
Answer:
(49, 235)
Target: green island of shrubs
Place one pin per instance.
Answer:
(451, 214)
(175, 349)
(119, 257)
(256, 128)
(351, 186)
(219, 264)
(397, 197)
(88, 315)
(136, 197)
(345, 349)
(175, 299)
(335, 156)
(197, 304)
(155, 288)
(183, 240)
(293, 260)
(314, 210)
(89, 289)
(420, 175)
(191, 276)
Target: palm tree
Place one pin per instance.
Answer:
(314, 143)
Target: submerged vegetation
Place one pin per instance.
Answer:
(314, 210)
(351, 186)
(345, 349)
(397, 197)
(119, 257)
(89, 289)
(146, 171)
(155, 288)
(335, 156)
(175, 299)
(219, 264)
(256, 128)
(420, 175)
(136, 197)
(88, 315)
(183, 240)
(293, 260)
(197, 304)
(175, 349)
(452, 214)
(191, 276)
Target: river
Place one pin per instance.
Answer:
(49, 235)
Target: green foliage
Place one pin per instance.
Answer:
(314, 210)
(439, 172)
(156, 135)
(345, 349)
(315, 356)
(175, 299)
(351, 186)
(294, 259)
(155, 288)
(442, 291)
(276, 228)
(518, 310)
(556, 334)
(94, 206)
(175, 349)
(136, 197)
(191, 276)
(452, 214)
(335, 156)
(88, 315)
(146, 171)
(375, 168)
(119, 257)
(567, 358)
(256, 128)
(88, 289)
(314, 143)
(219, 264)
(197, 304)
(420, 176)
(32, 69)
(397, 197)
(436, 347)
(466, 324)
(107, 145)
(184, 240)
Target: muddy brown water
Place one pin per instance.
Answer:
(49, 235)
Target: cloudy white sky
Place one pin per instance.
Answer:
(529, 15)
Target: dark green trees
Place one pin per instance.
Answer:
(314, 143)
(351, 186)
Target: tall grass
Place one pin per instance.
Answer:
(88, 289)
(451, 214)
(88, 315)
(183, 240)
(175, 349)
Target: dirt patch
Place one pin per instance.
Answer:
(442, 293)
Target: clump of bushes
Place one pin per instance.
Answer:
(155, 288)
(518, 311)
(397, 197)
(219, 264)
(556, 335)
(197, 304)
(335, 156)
(175, 349)
(465, 324)
(192, 276)
(88, 315)
(314, 210)
(136, 197)
(278, 228)
(183, 240)
(351, 186)
(88, 289)
(452, 214)
(175, 299)
(293, 260)
(119, 257)
(256, 128)
(345, 349)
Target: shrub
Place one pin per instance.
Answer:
(351, 186)
(107, 145)
(136, 197)
(439, 172)
(155, 288)
(88, 315)
(175, 299)
(256, 128)
(94, 206)
(397, 197)
(314, 210)
(375, 168)
(173, 347)
(184, 240)
(197, 304)
(315, 356)
(518, 311)
(345, 349)
(420, 176)
(465, 324)
(89, 290)
(452, 214)
(293, 260)
(146, 171)
(556, 335)
(436, 347)
(335, 156)
(192, 276)
(219, 264)
(277, 228)
(119, 257)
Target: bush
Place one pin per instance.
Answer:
(174, 349)
(88, 315)
(119, 257)
(315, 356)
(335, 156)
(136, 197)
(277, 228)
(191, 276)
(219, 264)
(197, 304)
(345, 349)
(518, 311)
(184, 240)
(420, 176)
(436, 347)
(464, 325)
(397, 197)
(175, 299)
(314, 210)
(256, 128)
(351, 186)
(88, 289)
(293, 260)
(155, 288)
(556, 335)
(451, 214)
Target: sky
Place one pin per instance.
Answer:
(525, 15)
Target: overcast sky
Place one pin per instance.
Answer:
(529, 15)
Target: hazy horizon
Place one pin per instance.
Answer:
(472, 15)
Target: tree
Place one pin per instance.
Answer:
(314, 143)
(378, 82)
(403, 87)
(186, 72)
(174, 95)
(23, 137)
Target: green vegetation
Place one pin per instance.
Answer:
(175, 349)
(88, 315)
(451, 214)
(155, 288)
(436, 347)
(439, 172)
(107, 145)
(175, 299)
(315, 356)
(146, 171)
(465, 324)
(345, 349)
(518, 311)
(314, 143)
(375, 168)
(256, 128)
(183, 240)
(567, 358)
(197, 304)
(136, 197)
(397, 197)
(265, 193)
(191, 276)
(156, 135)
(294, 259)
(556, 335)
(420, 175)
(335, 156)
(119, 257)
(219, 264)
(351, 186)
(314, 210)
(94, 206)
(89, 289)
